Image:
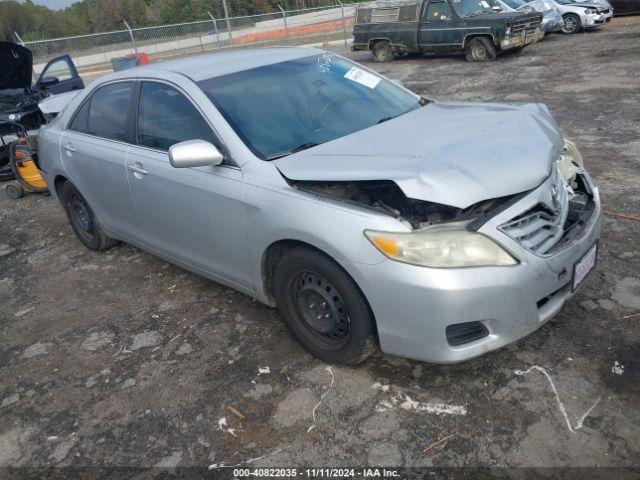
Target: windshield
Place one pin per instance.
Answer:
(566, 2)
(470, 8)
(286, 107)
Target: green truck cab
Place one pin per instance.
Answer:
(394, 27)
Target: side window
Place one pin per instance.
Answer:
(166, 117)
(109, 111)
(79, 122)
(439, 11)
(59, 69)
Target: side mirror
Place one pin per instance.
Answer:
(47, 82)
(194, 153)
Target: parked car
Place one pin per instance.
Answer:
(394, 27)
(19, 99)
(552, 20)
(441, 230)
(579, 15)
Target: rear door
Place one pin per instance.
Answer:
(194, 215)
(94, 147)
(439, 27)
(60, 75)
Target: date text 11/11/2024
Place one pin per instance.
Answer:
(316, 472)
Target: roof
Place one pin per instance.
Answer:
(202, 67)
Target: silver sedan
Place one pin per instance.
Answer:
(369, 215)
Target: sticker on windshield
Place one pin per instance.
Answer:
(358, 75)
(484, 4)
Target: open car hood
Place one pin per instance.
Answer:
(455, 154)
(16, 66)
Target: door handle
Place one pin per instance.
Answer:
(138, 170)
(69, 147)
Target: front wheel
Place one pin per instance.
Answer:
(323, 308)
(571, 23)
(480, 50)
(382, 51)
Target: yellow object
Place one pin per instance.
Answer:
(387, 245)
(28, 171)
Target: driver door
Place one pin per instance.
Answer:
(60, 76)
(194, 215)
(439, 26)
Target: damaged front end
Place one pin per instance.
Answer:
(386, 197)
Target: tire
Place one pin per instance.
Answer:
(83, 220)
(480, 50)
(323, 308)
(382, 51)
(14, 192)
(572, 23)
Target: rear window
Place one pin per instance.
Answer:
(106, 113)
(380, 15)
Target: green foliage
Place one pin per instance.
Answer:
(35, 22)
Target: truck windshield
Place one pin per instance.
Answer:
(286, 107)
(470, 8)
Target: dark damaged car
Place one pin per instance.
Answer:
(366, 213)
(473, 27)
(19, 99)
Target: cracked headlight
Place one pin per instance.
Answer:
(449, 246)
(570, 161)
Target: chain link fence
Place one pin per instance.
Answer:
(327, 27)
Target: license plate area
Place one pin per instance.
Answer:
(583, 267)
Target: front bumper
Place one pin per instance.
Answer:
(521, 40)
(597, 20)
(414, 305)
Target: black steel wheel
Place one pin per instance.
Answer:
(323, 308)
(83, 221)
(571, 23)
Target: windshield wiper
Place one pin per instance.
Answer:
(385, 119)
(299, 148)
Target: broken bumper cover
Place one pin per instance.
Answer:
(597, 20)
(413, 306)
(522, 40)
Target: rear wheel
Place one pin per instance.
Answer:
(83, 221)
(382, 51)
(571, 23)
(323, 308)
(480, 50)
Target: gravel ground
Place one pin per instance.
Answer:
(120, 359)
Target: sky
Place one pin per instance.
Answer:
(55, 4)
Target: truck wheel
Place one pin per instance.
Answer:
(323, 308)
(480, 50)
(382, 51)
(83, 220)
(571, 23)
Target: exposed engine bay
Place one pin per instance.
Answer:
(385, 196)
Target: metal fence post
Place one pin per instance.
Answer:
(215, 28)
(344, 26)
(133, 41)
(18, 38)
(284, 17)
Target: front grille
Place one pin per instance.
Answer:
(461, 333)
(529, 25)
(544, 229)
(606, 10)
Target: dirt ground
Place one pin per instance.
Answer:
(120, 359)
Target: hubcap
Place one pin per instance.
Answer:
(478, 52)
(321, 307)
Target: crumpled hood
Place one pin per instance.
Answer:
(598, 6)
(16, 66)
(454, 154)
